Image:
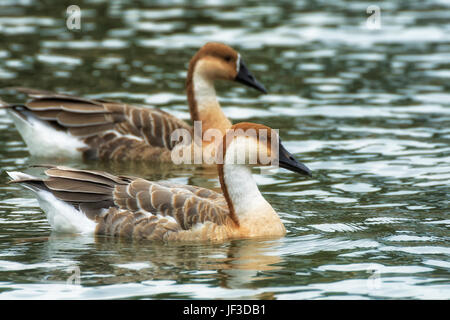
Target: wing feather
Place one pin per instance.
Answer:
(182, 203)
(67, 185)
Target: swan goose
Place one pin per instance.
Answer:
(64, 126)
(84, 201)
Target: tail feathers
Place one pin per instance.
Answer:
(73, 186)
(4, 104)
(30, 182)
(63, 215)
(86, 190)
(16, 175)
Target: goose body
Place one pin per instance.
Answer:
(62, 126)
(65, 126)
(85, 201)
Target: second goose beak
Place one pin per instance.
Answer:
(287, 161)
(245, 77)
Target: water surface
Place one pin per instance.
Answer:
(367, 110)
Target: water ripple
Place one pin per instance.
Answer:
(366, 110)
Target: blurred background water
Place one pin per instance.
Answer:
(368, 110)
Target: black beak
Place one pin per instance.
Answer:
(244, 76)
(287, 161)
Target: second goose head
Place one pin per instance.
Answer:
(214, 61)
(217, 61)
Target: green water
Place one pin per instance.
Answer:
(367, 110)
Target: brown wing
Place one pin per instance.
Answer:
(187, 205)
(112, 130)
(133, 207)
(155, 211)
(128, 224)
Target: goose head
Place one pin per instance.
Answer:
(252, 144)
(246, 145)
(217, 61)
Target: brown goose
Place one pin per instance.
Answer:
(64, 126)
(83, 201)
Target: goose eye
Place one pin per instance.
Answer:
(228, 58)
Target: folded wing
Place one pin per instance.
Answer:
(131, 207)
(111, 130)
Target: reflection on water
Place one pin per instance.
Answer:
(105, 261)
(366, 110)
